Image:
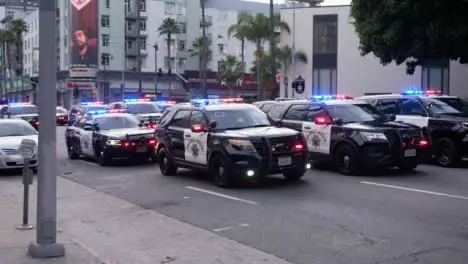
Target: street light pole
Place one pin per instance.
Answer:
(156, 48)
(293, 59)
(46, 245)
(272, 46)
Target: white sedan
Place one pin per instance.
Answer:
(12, 132)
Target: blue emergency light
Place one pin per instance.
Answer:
(201, 102)
(97, 112)
(330, 97)
(136, 100)
(165, 102)
(412, 92)
(91, 103)
(19, 104)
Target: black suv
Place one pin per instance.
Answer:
(445, 127)
(146, 111)
(234, 141)
(26, 111)
(351, 134)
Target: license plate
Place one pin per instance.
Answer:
(141, 149)
(284, 161)
(410, 153)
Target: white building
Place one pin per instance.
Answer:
(31, 45)
(335, 65)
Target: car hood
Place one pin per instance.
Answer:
(270, 131)
(122, 133)
(379, 125)
(14, 142)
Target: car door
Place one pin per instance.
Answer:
(176, 133)
(411, 111)
(317, 129)
(295, 115)
(86, 136)
(196, 144)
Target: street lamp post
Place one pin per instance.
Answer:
(156, 48)
(46, 245)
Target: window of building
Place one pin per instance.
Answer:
(181, 45)
(107, 3)
(183, 28)
(105, 21)
(105, 40)
(129, 26)
(143, 24)
(436, 77)
(105, 59)
(143, 43)
(181, 10)
(129, 44)
(169, 8)
(324, 81)
(142, 5)
(222, 49)
(325, 34)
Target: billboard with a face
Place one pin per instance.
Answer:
(84, 34)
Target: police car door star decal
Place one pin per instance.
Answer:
(195, 147)
(317, 137)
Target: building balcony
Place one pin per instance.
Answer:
(133, 52)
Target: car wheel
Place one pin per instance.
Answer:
(294, 175)
(72, 154)
(219, 170)
(345, 160)
(166, 164)
(408, 166)
(446, 152)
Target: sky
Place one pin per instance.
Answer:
(326, 2)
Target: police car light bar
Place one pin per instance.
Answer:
(433, 92)
(19, 104)
(92, 103)
(216, 101)
(331, 97)
(412, 92)
(98, 112)
(116, 111)
(165, 102)
(137, 100)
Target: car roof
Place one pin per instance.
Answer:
(381, 96)
(344, 102)
(228, 106)
(113, 115)
(12, 121)
(23, 105)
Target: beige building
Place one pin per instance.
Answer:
(335, 65)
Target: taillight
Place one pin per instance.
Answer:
(152, 125)
(37, 123)
(152, 141)
(126, 144)
(298, 146)
(423, 143)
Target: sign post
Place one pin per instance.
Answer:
(27, 152)
(299, 85)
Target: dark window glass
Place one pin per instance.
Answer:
(96, 108)
(297, 112)
(411, 107)
(355, 113)
(239, 118)
(316, 111)
(165, 118)
(181, 119)
(277, 111)
(325, 37)
(439, 107)
(23, 110)
(143, 108)
(116, 122)
(388, 106)
(198, 118)
(267, 107)
(81, 122)
(10, 129)
(457, 103)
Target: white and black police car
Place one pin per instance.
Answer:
(144, 109)
(454, 101)
(445, 127)
(232, 140)
(86, 108)
(351, 134)
(110, 136)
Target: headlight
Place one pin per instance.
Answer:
(373, 136)
(242, 145)
(113, 142)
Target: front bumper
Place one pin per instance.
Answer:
(15, 162)
(131, 152)
(385, 155)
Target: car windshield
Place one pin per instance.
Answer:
(16, 129)
(355, 113)
(96, 108)
(61, 111)
(116, 122)
(457, 103)
(23, 110)
(239, 118)
(439, 107)
(143, 108)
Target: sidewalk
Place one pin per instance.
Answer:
(99, 228)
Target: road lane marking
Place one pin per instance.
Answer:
(221, 195)
(415, 190)
(229, 228)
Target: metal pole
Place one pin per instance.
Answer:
(156, 48)
(124, 69)
(140, 88)
(293, 59)
(27, 180)
(272, 46)
(46, 245)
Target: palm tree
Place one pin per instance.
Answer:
(240, 31)
(204, 54)
(5, 39)
(285, 56)
(199, 50)
(229, 71)
(169, 27)
(258, 32)
(17, 28)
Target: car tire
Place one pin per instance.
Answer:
(408, 166)
(294, 175)
(102, 159)
(345, 160)
(446, 152)
(72, 154)
(166, 164)
(220, 171)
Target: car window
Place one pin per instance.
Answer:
(238, 118)
(277, 111)
(297, 112)
(81, 122)
(316, 111)
(16, 129)
(24, 110)
(198, 118)
(388, 106)
(116, 122)
(267, 107)
(409, 106)
(181, 119)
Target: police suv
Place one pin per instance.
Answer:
(86, 108)
(26, 111)
(454, 101)
(351, 134)
(265, 106)
(445, 127)
(233, 141)
(110, 136)
(146, 111)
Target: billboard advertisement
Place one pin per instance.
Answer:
(84, 38)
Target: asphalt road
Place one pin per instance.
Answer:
(419, 217)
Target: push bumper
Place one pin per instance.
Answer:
(383, 155)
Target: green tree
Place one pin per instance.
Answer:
(412, 31)
(198, 50)
(240, 32)
(5, 40)
(258, 33)
(169, 27)
(229, 71)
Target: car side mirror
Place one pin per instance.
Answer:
(213, 124)
(338, 121)
(391, 117)
(88, 128)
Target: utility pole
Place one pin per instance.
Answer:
(140, 88)
(204, 51)
(272, 46)
(293, 59)
(156, 48)
(46, 245)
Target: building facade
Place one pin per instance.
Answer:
(326, 34)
